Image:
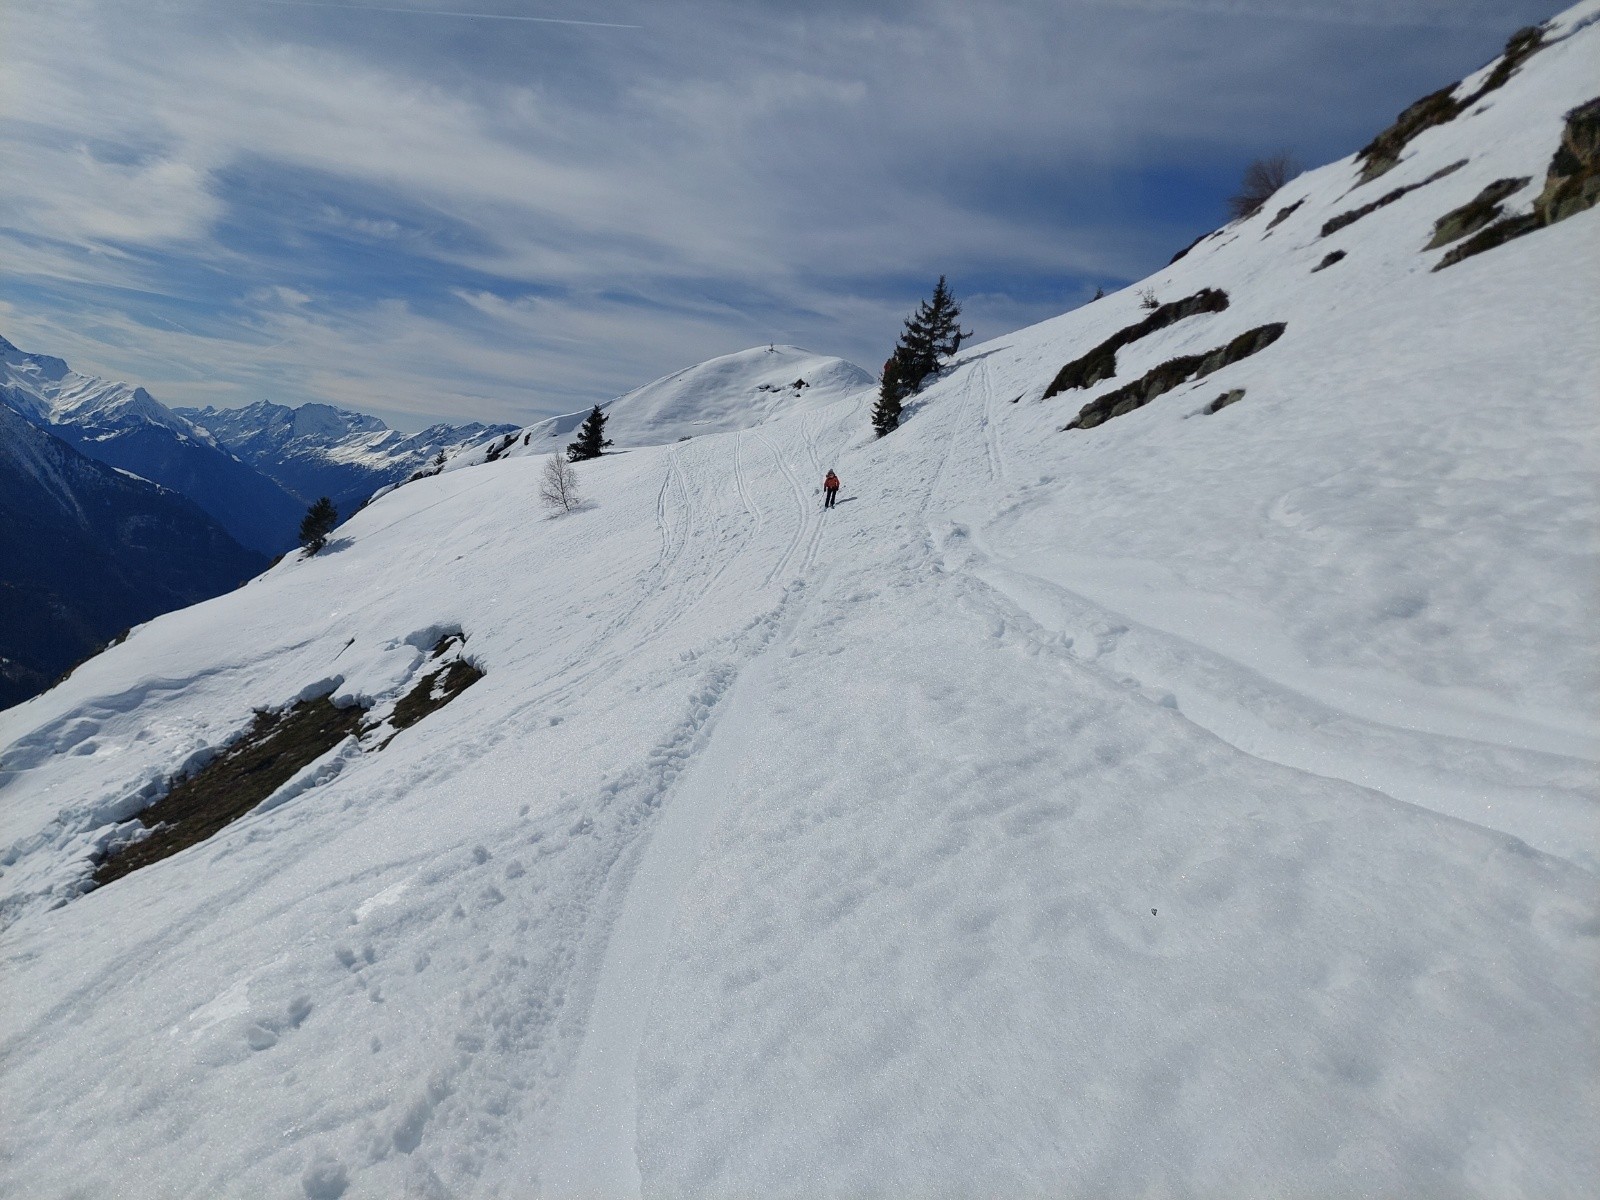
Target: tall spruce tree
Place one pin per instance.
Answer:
(317, 524)
(592, 439)
(931, 333)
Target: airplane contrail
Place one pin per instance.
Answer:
(445, 12)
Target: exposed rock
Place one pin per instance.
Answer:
(1334, 224)
(1171, 373)
(1283, 214)
(1573, 181)
(1572, 185)
(1383, 152)
(1332, 258)
(1187, 248)
(1101, 362)
(1475, 213)
(1222, 401)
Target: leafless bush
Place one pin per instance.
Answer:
(1262, 178)
(558, 485)
(1148, 300)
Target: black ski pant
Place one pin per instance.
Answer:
(831, 495)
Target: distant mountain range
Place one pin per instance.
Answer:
(318, 450)
(117, 508)
(124, 426)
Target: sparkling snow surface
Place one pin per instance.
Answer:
(1199, 805)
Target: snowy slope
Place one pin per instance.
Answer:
(735, 391)
(318, 450)
(1198, 804)
(125, 427)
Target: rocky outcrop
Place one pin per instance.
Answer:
(1332, 258)
(1571, 185)
(1475, 213)
(1171, 373)
(1383, 152)
(1334, 224)
(1101, 362)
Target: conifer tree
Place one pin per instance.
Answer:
(892, 391)
(317, 524)
(931, 333)
(592, 439)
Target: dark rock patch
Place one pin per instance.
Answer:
(1222, 401)
(1334, 224)
(1283, 214)
(1383, 152)
(1475, 213)
(1101, 362)
(1332, 258)
(1187, 248)
(276, 746)
(1571, 185)
(1171, 373)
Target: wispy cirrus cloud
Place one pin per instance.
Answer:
(429, 215)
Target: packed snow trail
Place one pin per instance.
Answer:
(1128, 811)
(592, 1150)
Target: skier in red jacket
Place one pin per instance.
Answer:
(830, 489)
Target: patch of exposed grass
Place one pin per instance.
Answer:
(277, 745)
(433, 691)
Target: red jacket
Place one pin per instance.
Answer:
(831, 483)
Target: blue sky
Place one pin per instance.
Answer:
(511, 214)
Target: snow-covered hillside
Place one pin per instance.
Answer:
(1198, 803)
(735, 391)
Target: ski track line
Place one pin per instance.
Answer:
(802, 511)
(957, 425)
(744, 488)
(593, 1144)
(991, 426)
(1128, 653)
(561, 684)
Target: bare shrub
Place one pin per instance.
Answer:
(558, 485)
(1261, 179)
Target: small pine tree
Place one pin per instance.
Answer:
(558, 485)
(317, 524)
(893, 388)
(931, 333)
(592, 440)
(1099, 294)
